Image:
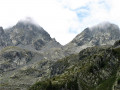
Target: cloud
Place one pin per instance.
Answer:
(63, 19)
(92, 12)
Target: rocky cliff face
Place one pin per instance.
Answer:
(28, 35)
(13, 57)
(101, 34)
(4, 39)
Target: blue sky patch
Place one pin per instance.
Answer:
(71, 30)
(82, 15)
(106, 5)
(82, 12)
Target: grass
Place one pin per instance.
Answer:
(107, 84)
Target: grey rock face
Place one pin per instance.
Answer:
(101, 34)
(28, 34)
(38, 44)
(4, 39)
(13, 57)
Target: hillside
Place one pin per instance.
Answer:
(95, 68)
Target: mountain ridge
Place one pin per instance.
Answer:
(28, 54)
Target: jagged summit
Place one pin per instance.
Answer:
(27, 34)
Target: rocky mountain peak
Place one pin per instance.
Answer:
(102, 34)
(26, 32)
(29, 35)
(107, 30)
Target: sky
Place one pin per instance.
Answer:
(62, 19)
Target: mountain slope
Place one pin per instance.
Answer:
(19, 68)
(95, 68)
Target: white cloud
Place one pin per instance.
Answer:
(63, 19)
(98, 11)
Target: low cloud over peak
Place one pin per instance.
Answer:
(28, 20)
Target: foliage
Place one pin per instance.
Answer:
(107, 84)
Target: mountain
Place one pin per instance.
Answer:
(29, 35)
(28, 55)
(102, 34)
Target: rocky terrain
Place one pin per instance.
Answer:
(94, 68)
(28, 55)
(4, 39)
